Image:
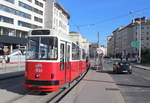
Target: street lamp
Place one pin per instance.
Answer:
(140, 42)
(140, 31)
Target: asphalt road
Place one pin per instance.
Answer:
(13, 91)
(135, 87)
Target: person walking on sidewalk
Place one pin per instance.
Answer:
(101, 62)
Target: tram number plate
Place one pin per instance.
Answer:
(38, 70)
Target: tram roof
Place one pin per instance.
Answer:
(53, 33)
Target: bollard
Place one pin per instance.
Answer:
(4, 65)
(19, 59)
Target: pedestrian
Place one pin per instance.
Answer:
(101, 61)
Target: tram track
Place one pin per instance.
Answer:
(62, 94)
(14, 100)
(11, 76)
(36, 97)
(39, 97)
(18, 94)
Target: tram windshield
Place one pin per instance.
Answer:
(42, 48)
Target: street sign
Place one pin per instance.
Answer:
(135, 44)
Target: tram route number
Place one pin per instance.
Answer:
(38, 70)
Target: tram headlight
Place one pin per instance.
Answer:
(37, 75)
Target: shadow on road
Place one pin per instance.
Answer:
(98, 81)
(133, 85)
(119, 84)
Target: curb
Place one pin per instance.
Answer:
(141, 67)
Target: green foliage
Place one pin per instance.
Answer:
(146, 56)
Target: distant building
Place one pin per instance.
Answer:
(81, 40)
(17, 17)
(110, 46)
(56, 17)
(92, 50)
(120, 42)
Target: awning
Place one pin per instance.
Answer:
(12, 40)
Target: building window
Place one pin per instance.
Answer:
(136, 33)
(5, 31)
(38, 19)
(147, 44)
(22, 34)
(142, 38)
(142, 27)
(6, 19)
(25, 6)
(38, 3)
(38, 11)
(24, 24)
(147, 38)
(28, 25)
(29, 0)
(11, 1)
(147, 33)
(147, 27)
(30, 8)
(18, 33)
(35, 26)
(14, 11)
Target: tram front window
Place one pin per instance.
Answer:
(42, 48)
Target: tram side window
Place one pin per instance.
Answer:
(83, 54)
(75, 52)
(68, 53)
(78, 53)
(62, 57)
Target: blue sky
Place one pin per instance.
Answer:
(107, 15)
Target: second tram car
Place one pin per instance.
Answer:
(53, 61)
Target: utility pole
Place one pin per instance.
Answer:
(98, 37)
(140, 33)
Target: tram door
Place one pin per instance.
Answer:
(68, 63)
(65, 61)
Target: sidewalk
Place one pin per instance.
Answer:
(95, 87)
(146, 67)
(9, 70)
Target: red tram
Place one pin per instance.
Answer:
(53, 61)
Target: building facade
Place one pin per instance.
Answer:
(17, 17)
(124, 36)
(110, 45)
(93, 50)
(56, 17)
(81, 40)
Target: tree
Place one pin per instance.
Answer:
(146, 56)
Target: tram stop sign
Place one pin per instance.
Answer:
(135, 44)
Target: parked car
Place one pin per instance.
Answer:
(122, 67)
(108, 57)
